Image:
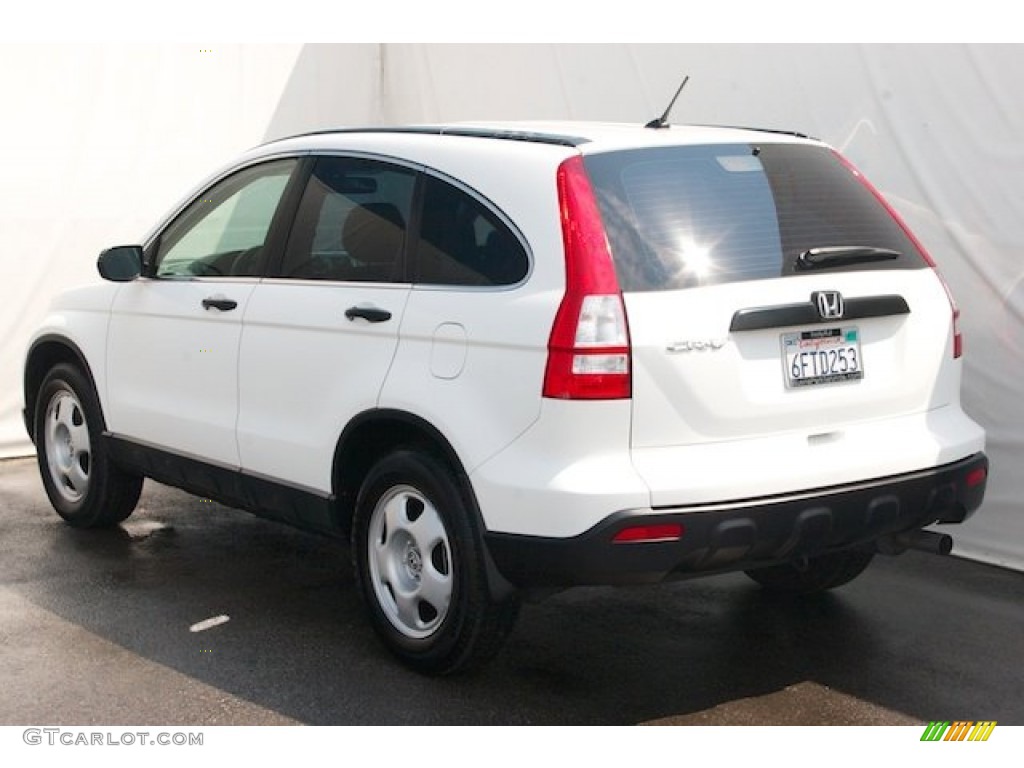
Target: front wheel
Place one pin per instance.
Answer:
(815, 574)
(84, 485)
(419, 563)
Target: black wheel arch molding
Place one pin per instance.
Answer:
(37, 363)
(402, 429)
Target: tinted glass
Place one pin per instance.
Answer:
(685, 216)
(462, 242)
(221, 234)
(351, 222)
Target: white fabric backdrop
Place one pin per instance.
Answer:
(101, 141)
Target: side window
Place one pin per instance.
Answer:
(221, 234)
(351, 222)
(461, 242)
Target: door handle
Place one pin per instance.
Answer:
(218, 302)
(372, 314)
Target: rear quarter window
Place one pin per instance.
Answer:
(678, 217)
(462, 242)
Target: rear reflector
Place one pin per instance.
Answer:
(649, 533)
(958, 339)
(976, 477)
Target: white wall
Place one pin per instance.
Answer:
(97, 142)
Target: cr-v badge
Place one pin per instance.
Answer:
(709, 345)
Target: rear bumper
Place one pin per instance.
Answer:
(746, 534)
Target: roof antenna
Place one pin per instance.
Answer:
(662, 122)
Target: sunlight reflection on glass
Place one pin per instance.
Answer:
(695, 259)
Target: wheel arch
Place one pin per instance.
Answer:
(370, 436)
(44, 353)
(375, 433)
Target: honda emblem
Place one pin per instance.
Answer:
(829, 303)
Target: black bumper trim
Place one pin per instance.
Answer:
(749, 534)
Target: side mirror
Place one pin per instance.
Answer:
(121, 264)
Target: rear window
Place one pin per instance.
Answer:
(678, 217)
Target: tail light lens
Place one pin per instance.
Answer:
(588, 351)
(958, 342)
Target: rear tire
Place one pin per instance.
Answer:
(817, 574)
(419, 562)
(84, 485)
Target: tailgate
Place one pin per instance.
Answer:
(727, 362)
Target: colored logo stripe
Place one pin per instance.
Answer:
(982, 730)
(958, 731)
(961, 730)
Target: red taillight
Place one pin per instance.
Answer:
(649, 533)
(958, 339)
(958, 342)
(588, 351)
(976, 477)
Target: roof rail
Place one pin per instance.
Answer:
(480, 133)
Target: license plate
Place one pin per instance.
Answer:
(821, 356)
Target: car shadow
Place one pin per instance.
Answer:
(297, 642)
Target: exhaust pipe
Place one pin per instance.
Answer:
(923, 541)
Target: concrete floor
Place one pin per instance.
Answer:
(94, 629)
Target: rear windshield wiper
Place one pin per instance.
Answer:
(823, 258)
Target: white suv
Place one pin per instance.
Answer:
(518, 356)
